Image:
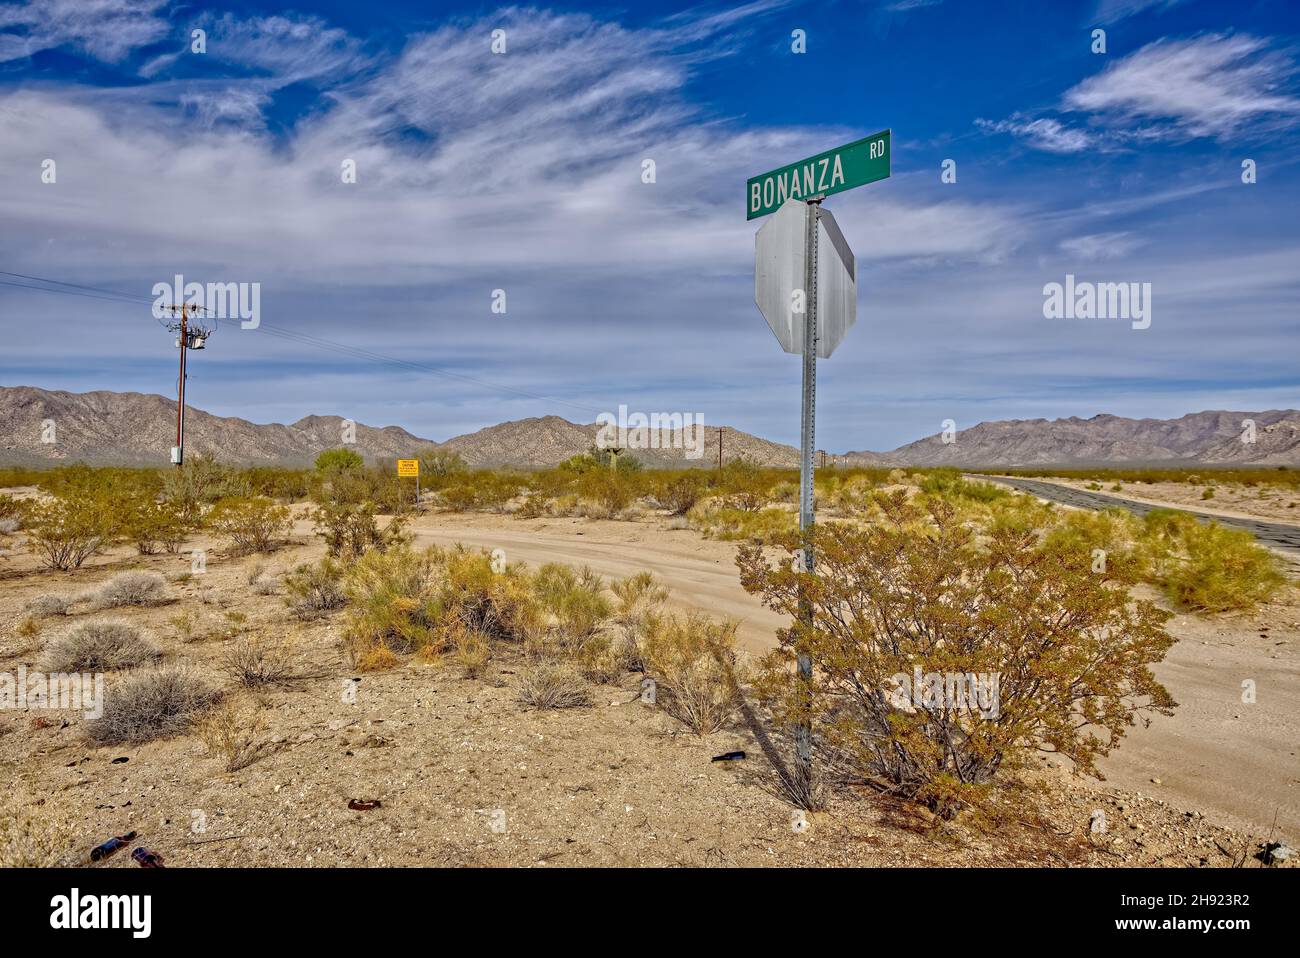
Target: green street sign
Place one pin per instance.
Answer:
(854, 164)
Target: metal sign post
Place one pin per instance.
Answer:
(807, 290)
(807, 442)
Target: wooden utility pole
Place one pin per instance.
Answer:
(187, 338)
(721, 430)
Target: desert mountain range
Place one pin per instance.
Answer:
(139, 429)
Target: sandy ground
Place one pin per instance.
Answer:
(468, 777)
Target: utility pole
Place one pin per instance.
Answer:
(721, 430)
(187, 338)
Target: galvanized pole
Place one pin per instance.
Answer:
(803, 732)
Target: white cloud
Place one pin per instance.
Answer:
(105, 29)
(1102, 246)
(1210, 85)
(1045, 133)
(1112, 11)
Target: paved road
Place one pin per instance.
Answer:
(1280, 535)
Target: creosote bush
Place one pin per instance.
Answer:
(253, 524)
(99, 647)
(1068, 651)
(67, 530)
(149, 705)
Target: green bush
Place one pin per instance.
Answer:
(68, 530)
(253, 524)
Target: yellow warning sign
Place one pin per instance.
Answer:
(408, 468)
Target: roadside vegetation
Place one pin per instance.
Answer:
(918, 572)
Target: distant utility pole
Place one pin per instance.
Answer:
(721, 430)
(187, 338)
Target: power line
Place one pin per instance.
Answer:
(95, 292)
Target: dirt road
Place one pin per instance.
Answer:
(1235, 762)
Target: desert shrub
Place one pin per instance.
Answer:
(575, 600)
(254, 662)
(201, 481)
(350, 530)
(1211, 568)
(950, 482)
(606, 492)
(67, 530)
(638, 598)
(150, 705)
(232, 732)
(152, 524)
(132, 588)
(45, 606)
(731, 525)
(339, 459)
(693, 661)
(405, 601)
(678, 492)
(546, 685)
(316, 589)
(253, 524)
(438, 465)
(1067, 653)
(534, 506)
(99, 647)
(496, 490)
(459, 498)
(1111, 538)
(471, 652)
(12, 513)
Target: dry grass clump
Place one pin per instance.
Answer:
(99, 647)
(471, 652)
(547, 685)
(131, 588)
(234, 733)
(254, 662)
(694, 664)
(149, 705)
(45, 606)
(34, 834)
(314, 590)
(405, 601)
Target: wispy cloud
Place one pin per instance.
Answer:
(107, 30)
(1112, 11)
(1101, 246)
(1210, 85)
(1044, 133)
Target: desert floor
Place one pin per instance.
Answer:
(466, 776)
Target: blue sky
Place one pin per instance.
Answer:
(521, 171)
